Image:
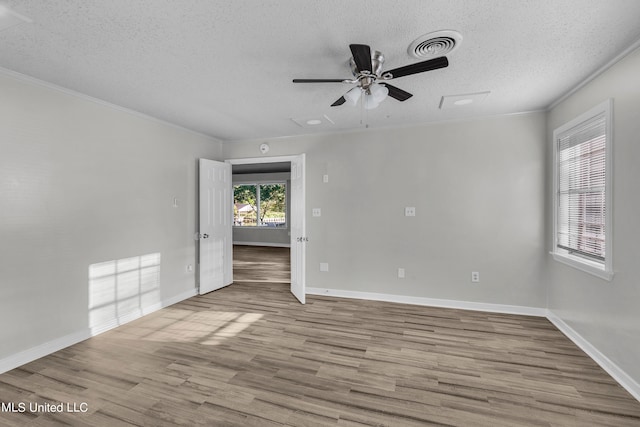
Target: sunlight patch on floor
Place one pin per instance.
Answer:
(178, 325)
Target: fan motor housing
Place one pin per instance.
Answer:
(377, 60)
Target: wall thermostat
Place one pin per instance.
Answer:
(264, 148)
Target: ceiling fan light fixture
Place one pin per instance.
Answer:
(374, 96)
(379, 92)
(353, 95)
(370, 102)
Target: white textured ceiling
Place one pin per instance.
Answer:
(224, 68)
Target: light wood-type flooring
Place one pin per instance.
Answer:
(251, 355)
(261, 264)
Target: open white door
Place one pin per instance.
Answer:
(298, 236)
(216, 239)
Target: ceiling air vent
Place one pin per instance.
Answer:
(433, 45)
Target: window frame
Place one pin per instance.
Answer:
(604, 269)
(258, 184)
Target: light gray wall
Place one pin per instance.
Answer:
(263, 235)
(606, 313)
(478, 187)
(81, 184)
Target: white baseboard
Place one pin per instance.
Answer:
(29, 355)
(177, 298)
(274, 245)
(142, 311)
(431, 302)
(52, 346)
(605, 363)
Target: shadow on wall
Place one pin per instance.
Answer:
(122, 290)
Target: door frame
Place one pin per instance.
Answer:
(279, 159)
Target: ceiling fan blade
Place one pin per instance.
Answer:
(340, 101)
(361, 56)
(318, 80)
(419, 67)
(397, 93)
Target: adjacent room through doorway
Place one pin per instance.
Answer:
(261, 226)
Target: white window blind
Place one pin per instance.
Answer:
(581, 204)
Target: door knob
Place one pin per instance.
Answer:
(205, 236)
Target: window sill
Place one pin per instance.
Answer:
(586, 266)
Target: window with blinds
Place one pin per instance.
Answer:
(581, 189)
(581, 177)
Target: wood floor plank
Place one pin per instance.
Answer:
(251, 355)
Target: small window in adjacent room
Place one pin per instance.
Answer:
(260, 205)
(582, 202)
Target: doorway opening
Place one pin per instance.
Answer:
(261, 234)
(269, 221)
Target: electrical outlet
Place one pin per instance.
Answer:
(316, 212)
(401, 273)
(475, 276)
(410, 211)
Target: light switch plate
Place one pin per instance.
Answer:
(324, 266)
